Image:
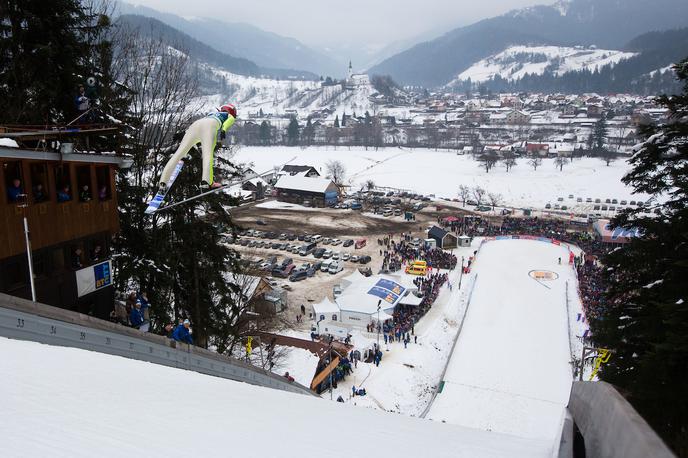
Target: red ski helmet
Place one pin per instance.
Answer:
(229, 108)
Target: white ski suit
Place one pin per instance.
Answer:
(206, 132)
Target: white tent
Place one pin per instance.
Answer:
(325, 310)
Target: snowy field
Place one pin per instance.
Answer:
(441, 172)
(510, 371)
(65, 402)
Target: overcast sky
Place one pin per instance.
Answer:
(374, 23)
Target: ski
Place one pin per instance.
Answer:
(156, 201)
(198, 196)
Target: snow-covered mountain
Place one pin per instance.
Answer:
(515, 62)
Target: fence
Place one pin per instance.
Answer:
(25, 320)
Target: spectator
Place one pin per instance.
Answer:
(76, 259)
(14, 190)
(145, 304)
(181, 333)
(39, 194)
(167, 330)
(85, 194)
(96, 254)
(131, 301)
(82, 102)
(102, 192)
(64, 194)
(136, 318)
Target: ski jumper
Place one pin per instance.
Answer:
(206, 132)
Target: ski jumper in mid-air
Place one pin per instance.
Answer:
(205, 131)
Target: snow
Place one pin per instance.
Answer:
(441, 173)
(300, 363)
(277, 205)
(8, 142)
(510, 65)
(303, 183)
(510, 371)
(66, 402)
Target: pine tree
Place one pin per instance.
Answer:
(645, 317)
(336, 121)
(265, 135)
(45, 53)
(293, 132)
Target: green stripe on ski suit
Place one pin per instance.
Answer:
(225, 126)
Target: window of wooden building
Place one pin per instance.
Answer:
(39, 182)
(14, 182)
(63, 183)
(103, 182)
(83, 179)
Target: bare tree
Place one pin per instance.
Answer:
(509, 160)
(479, 194)
(495, 199)
(370, 185)
(488, 160)
(335, 171)
(535, 162)
(560, 162)
(464, 193)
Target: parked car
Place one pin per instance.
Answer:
(317, 266)
(607, 201)
(564, 207)
(570, 196)
(327, 254)
(356, 206)
(336, 255)
(335, 242)
(287, 262)
(632, 202)
(604, 208)
(354, 258)
(260, 222)
(623, 202)
(588, 200)
(298, 275)
(614, 201)
(325, 266)
(335, 267)
(483, 208)
(272, 260)
(598, 201)
(265, 266)
(283, 272)
(348, 243)
(596, 208)
(560, 199)
(364, 259)
(580, 199)
(548, 206)
(345, 256)
(326, 241)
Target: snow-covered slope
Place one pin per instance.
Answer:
(517, 61)
(277, 96)
(65, 402)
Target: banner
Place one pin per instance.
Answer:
(387, 290)
(93, 278)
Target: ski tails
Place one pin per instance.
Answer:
(197, 196)
(156, 201)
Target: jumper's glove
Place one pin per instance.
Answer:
(223, 135)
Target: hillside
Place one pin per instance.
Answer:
(153, 28)
(266, 49)
(643, 68)
(602, 23)
(516, 62)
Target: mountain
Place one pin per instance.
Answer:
(266, 49)
(644, 67)
(202, 52)
(515, 62)
(603, 23)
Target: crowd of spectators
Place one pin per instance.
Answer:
(590, 278)
(396, 254)
(135, 312)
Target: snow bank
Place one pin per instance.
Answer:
(8, 142)
(65, 402)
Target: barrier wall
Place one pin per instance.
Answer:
(610, 426)
(25, 320)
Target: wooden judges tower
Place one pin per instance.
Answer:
(69, 200)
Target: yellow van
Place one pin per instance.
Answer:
(417, 268)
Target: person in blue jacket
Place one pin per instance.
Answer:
(14, 190)
(136, 317)
(181, 333)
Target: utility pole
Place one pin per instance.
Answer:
(378, 323)
(23, 203)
